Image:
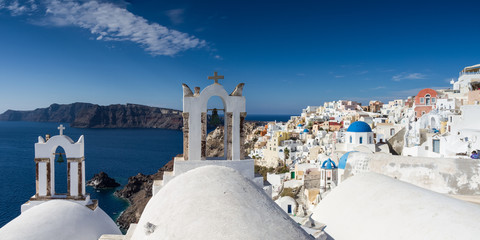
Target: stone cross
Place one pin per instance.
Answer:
(61, 128)
(215, 77)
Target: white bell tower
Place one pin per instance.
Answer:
(45, 170)
(195, 133)
(195, 120)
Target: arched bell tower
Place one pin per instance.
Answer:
(195, 120)
(45, 150)
(45, 171)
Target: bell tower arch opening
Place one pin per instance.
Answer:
(60, 177)
(215, 112)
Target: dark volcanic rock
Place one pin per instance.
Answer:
(138, 192)
(87, 115)
(102, 180)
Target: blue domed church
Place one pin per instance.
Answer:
(359, 137)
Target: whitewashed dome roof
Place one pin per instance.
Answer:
(214, 202)
(374, 206)
(59, 219)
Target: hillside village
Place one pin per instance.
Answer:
(316, 146)
(387, 171)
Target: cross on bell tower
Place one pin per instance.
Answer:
(215, 77)
(61, 128)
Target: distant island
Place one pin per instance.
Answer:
(88, 115)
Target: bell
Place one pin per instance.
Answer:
(215, 119)
(60, 158)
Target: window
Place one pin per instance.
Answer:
(427, 99)
(422, 100)
(350, 139)
(370, 140)
(392, 131)
(360, 140)
(433, 100)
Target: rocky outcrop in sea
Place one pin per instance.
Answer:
(101, 181)
(87, 115)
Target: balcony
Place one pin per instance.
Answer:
(477, 72)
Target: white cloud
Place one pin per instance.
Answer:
(109, 22)
(175, 15)
(378, 88)
(16, 8)
(218, 57)
(408, 76)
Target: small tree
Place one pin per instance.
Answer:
(286, 154)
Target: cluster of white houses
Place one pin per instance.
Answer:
(440, 123)
(222, 198)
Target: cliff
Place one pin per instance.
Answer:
(138, 192)
(87, 115)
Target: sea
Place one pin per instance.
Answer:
(120, 153)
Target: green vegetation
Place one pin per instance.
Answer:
(264, 170)
(309, 126)
(286, 153)
(291, 192)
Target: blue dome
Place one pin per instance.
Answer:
(299, 125)
(328, 164)
(343, 160)
(359, 126)
(305, 130)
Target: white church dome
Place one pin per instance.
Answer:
(374, 206)
(214, 202)
(59, 219)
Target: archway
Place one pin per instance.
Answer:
(215, 121)
(60, 170)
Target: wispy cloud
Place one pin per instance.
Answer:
(218, 57)
(16, 8)
(109, 22)
(301, 74)
(362, 72)
(339, 76)
(175, 15)
(408, 76)
(378, 88)
(412, 92)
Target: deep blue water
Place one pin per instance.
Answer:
(120, 153)
(260, 117)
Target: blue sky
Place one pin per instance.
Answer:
(290, 54)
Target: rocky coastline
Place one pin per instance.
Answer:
(88, 115)
(138, 192)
